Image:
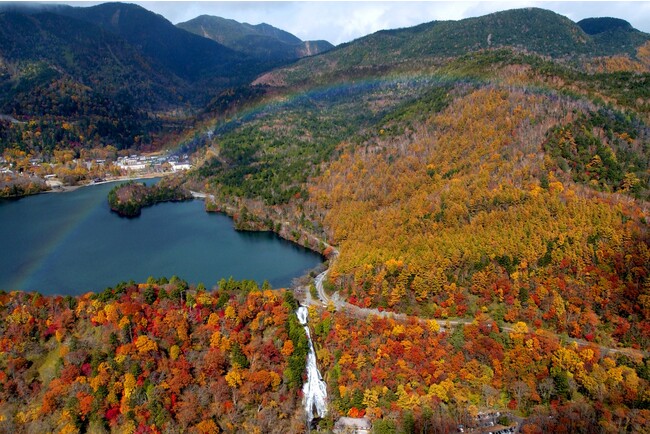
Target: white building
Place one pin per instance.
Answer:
(353, 425)
(131, 164)
(180, 166)
(135, 166)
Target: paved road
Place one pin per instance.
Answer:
(198, 194)
(11, 119)
(339, 304)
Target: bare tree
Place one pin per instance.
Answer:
(546, 388)
(489, 394)
(520, 390)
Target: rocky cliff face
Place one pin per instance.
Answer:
(311, 48)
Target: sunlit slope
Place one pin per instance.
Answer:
(471, 213)
(495, 180)
(270, 149)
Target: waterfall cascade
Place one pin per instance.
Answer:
(314, 390)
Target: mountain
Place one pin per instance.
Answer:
(186, 55)
(594, 26)
(114, 63)
(261, 41)
(71, 48)
(528, 30)
(55, 66)
(229, 32)
(614, 36)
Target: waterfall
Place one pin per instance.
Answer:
(314, 390)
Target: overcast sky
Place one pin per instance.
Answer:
(341, 21)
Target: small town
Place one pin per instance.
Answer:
(22, 174)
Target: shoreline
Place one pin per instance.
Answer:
(306, 240)
(69, 188)
(285, 232)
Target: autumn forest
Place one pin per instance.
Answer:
(480, 202)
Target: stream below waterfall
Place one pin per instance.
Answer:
(315, 389)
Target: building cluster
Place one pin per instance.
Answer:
(4, 166)
(353, 425)
(156, 163)
(7, 167)
(126, 165)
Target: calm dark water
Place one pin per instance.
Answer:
(70, 243)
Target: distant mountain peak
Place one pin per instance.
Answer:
(259, 40)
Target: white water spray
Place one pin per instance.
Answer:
(315, 389)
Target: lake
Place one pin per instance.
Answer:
(71, 243)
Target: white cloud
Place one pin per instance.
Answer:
(341, 21)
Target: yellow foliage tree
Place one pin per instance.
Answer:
(234, 377)
(207, 427)
(144, 344)
(174, 352)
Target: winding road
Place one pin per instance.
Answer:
(335, 300)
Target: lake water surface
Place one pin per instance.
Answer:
(70, 243)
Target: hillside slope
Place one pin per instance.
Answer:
(137, 357)
(504, 188)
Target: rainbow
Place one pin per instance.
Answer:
(274, 104)
(50, 246)
(422, 80)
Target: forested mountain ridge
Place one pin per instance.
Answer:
(531, 30)
(45, 76)
(46, 38)
(595, 26)
(262, 40)
(149, 45)
(185, 54)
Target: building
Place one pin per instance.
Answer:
(353, 425)
(180, 166)
(131, 163)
